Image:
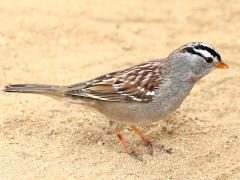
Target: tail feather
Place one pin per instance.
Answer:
(36, 88)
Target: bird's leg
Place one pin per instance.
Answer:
(148, 143)
(124, 143)
(143, 137)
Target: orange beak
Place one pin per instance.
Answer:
(221, 65)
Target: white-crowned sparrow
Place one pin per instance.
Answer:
(140, 94)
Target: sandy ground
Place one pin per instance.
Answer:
(65, 42)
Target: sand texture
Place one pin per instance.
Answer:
(66, 41)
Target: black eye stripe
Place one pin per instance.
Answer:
(210, 50)
(191, 50)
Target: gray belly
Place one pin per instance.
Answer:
(164, 103)
(131, 113)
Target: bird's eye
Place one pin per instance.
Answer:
(209, 60)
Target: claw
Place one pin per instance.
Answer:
(133, 154)
(162, 148)
(148, 143)
(130, 152)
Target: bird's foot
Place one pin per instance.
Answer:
(152, 148)
(133, 154)
(162, 148)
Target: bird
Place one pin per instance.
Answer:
(140, 94)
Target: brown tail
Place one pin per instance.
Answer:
(36, 89)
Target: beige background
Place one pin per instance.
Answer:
(65, 42)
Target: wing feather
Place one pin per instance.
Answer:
(137, 83)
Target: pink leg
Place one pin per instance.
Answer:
(142, 136)
(147, 142)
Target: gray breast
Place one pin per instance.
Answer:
(167, 99)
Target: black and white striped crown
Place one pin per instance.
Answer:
(202, 49)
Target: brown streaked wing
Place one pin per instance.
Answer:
(137, 83)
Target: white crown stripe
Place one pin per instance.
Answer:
(205, 53)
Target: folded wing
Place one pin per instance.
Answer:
(137, 83)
